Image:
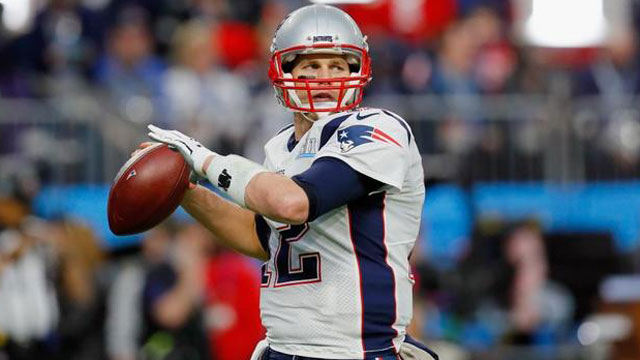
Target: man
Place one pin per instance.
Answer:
(335, 209)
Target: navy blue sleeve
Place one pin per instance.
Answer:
(264, 231)
(330, 183)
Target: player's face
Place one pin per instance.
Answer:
(320, 66)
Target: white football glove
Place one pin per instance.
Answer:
(193, 152)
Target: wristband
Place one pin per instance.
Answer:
(199, 156)
(232, 174)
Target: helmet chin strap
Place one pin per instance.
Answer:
(306, 117)
(315, 116)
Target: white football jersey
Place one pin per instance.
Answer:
(340, 286)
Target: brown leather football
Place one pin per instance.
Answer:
(147, 189)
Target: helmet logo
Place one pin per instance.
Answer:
(323, 38)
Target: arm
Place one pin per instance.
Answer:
(329, 183)
(277, 197)
(272, 195)
(232, 225)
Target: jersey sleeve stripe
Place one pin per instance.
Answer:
(381, 135)
(377, 281)
(402, 123)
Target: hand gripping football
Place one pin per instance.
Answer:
(147, 189)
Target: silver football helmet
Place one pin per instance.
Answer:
(319, 29)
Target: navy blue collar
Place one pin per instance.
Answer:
(292, 142)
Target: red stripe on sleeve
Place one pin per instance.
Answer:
(385, 135)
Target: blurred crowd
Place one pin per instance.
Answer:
(63, 295)
(200, 66)
(177, 295)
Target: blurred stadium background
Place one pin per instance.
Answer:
(526, 113)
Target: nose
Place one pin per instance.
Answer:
(323, 73)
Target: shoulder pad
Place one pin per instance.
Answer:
(384, 118)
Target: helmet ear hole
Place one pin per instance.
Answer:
(354, 63)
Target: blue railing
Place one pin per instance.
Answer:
(448, 215)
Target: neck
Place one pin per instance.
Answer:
(301, 124)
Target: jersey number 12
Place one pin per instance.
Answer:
(307, 269)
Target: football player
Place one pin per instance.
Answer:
(334, 211)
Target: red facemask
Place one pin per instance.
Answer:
(350, 88)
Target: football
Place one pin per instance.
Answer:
(147, 189)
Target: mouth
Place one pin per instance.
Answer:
(323, 96)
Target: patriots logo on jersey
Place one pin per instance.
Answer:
(356, 135)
